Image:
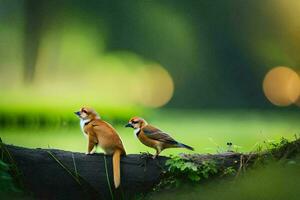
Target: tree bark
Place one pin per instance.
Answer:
(45, 173)
(57, 174)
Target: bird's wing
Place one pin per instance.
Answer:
(108, 131)
(156, 134)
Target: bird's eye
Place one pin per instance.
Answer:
(134, 122)
(83, 110)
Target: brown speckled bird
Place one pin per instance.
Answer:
(153, 137)
(99, 132)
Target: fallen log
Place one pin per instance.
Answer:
(57, 174)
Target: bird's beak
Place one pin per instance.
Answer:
(129, 125)
(77, 113)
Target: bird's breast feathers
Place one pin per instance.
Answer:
(83, 122)
(136, 132)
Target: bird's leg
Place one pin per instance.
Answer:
(156, 154)
(94, 150)
(91, 145)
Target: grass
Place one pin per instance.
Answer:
(58, 115)
(276, 181)
(206, 131)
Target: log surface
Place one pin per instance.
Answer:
(46, 172)
(47, 179)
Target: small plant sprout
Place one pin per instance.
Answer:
(180, 170)
(229, 146)
(229, 171)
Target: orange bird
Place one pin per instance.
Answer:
(153, 137)
(99, 132)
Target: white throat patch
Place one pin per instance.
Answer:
(82, 123)
(136, 131)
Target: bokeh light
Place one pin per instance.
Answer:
(281, 86)
(297, 102)
(156, 86)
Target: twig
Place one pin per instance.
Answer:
(75, 168)
(107, 177)
(64, 167)
(241, 165)
(248, 159)
(79, 180)
(14, 168)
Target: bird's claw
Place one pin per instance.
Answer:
(145, 155)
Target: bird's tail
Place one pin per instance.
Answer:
(116, 167)
(185, 146)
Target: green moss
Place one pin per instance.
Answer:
(181, 169)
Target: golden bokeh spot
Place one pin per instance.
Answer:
(297, 102)
(156, 86)
(281, 86)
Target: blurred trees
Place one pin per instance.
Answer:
(216, 51)
(33, 21)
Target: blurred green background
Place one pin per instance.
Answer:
(196, 69)
(193, 68)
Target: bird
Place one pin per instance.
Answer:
(153, 137)
(101, 133)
